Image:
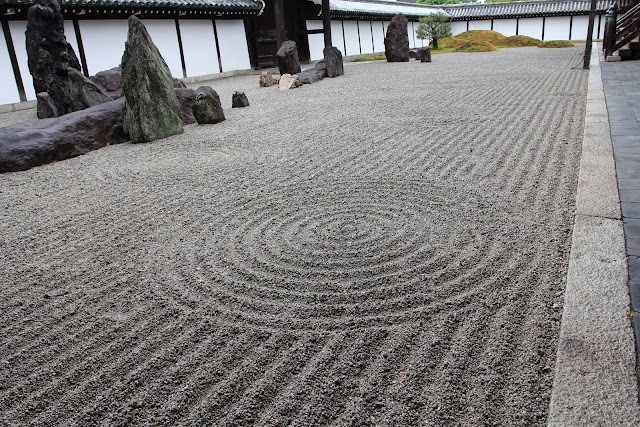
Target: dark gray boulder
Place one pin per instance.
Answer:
(45, 108)
(396, 41)
(333, 61)
(177, 83)
(424, 54)
(84, 92)
(313, 75)
(239, 100)
(49, 56)
(29, 144)
(287, 57)
(110, 81)
(152, 110)
(207, 108)
(186, 98)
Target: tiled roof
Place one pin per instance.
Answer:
(522, 9)
(247, 6)
(377, 8)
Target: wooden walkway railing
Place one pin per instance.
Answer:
(620, 30)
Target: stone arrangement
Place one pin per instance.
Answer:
(110, 81)
(287, 81)
(333, 61)
(152, 110)
(396, 41)
(287, 57)
(313, 75)
(207, 108)
(239, 100)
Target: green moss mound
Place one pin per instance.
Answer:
(518, 41)
(370, 58)
(476, 46)
(451, 42)
(556, 44)
(487, 36)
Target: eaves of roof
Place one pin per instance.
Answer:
(377, 8)
(245, 6)
(523, 9)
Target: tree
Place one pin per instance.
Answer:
(434, 27)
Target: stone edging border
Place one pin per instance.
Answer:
(595, 381)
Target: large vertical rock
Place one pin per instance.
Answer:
(287, 56)
(152, 110)
(333, 61)
(49, 55)
(396, 42)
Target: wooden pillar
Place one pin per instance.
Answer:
(326, 22)
(281, 31)
(587, 48)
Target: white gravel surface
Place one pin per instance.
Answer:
(384, 248)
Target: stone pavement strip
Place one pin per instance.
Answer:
(595, 382)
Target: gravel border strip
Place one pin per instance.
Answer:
(594, 381)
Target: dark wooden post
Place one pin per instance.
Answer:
(610, 30)
(281, 31)
(587, 47)
(326, 22)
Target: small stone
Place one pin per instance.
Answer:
(424, 54)
(266, 79)
(287, 57)
(396, 41)
(207, 109)
(333, 61)
(287, 81)
(239, 100)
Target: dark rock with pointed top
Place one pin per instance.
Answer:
(30, 144)
(49, 55)
(424, 54)
(287, 57)
(396, 41)
(333, 61)
(152, 109)
(207, 108)
(239, 100)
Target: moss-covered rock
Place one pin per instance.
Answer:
(152, 110)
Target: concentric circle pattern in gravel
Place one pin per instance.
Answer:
(384, 248)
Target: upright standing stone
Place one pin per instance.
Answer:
(396, 42)
(424, 54)
(49, 55)
(239, 100)
(152, 110)
(287, 56)
(333, 61)
(207, 109)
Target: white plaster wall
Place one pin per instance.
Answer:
(351, 37)
(557, 28)
(234, 52)
(103, 42)
(70, 34)
(580, 27)
(458, 27)
(17, 29)
(316, 41)
(506, 27)
(378, 36)
(366, 42)
(385, 24)
(412, 34)
(164, 35)
(484, 24)
(531, 27)
(8, 88)
(336, 36)
(199, 47)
